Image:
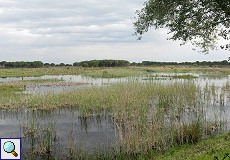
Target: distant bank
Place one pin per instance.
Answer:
(108, 63)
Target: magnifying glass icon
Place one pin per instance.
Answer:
(9, 147)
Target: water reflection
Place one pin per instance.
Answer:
(57, 129)
(58, 132)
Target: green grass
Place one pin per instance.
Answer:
(218, 146)
(27, 72)
(94, 72)
(114, 96)
(110, 72)
(41, 80)
(115, 72)
(9, 89)
(10, 96)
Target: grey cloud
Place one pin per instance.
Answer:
(45, 29)
(68, 22)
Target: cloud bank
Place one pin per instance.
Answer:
(69, 31)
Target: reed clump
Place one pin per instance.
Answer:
(41, 138)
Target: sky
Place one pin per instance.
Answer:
(67, 31)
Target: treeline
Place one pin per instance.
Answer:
(103, 63)
(21, 64)
(198, 63)
(108, 63)
(34, 64)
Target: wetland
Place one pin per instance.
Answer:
(113, 113)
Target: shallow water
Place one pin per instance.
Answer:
(66, 125)
(70, 130)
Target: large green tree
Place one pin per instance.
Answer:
(201, 22)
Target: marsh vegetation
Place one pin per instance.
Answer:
(145, 114)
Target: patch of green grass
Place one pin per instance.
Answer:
(41, 80)
(10, 97)
(217, 147)
(115, 72)
(93, 72)
(10, 88)
(36, 72)
(111, 72)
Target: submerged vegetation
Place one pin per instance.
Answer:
(41, 80)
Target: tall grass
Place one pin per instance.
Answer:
(41, 138)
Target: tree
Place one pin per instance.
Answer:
(62, 64)
(76, 64)
(201, 22)
(46, 64)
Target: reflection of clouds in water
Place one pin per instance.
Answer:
(91, 133)
(9, 127)
(3, 122)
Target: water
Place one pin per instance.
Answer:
(66, 126)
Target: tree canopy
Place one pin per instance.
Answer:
(201, 22)
(102, 63)
(21, 64)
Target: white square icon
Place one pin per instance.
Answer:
(10, 148)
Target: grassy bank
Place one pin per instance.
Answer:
(110, 72)
(217, 147)
(4, 89)
(27, 72)
(93, 72)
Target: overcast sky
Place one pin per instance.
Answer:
(76, 30)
